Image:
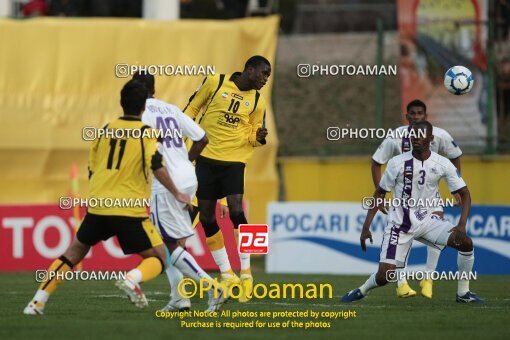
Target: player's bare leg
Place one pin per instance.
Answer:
(54, 274)
(375, 280)
(236, 213)
(465, 260)
(215, 241)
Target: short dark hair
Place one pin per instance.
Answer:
(256, 61)
(147, 79)
(418, 103)
(424, 124)
(133, 96)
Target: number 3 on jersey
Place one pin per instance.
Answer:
(422, 177)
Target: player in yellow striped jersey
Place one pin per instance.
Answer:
(119, 168)
(233, 113)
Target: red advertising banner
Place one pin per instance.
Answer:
(31, 236)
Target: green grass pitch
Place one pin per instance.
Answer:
(96, 310)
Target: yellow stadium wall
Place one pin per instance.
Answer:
(57, 76)
(349, 179)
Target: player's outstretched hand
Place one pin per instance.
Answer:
(186, 199)
(458, 235)
(365, 234)
(261, 133)
(223, 211)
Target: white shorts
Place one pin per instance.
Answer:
(396, 244)
(170, 216)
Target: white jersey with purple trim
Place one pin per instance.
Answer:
(418, 182)
(443, 144)
(164, 116)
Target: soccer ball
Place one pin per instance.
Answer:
(458, 80)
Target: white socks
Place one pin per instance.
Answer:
(135, 275)
(465, 262)
(401, 279)
(245, 261)
(432, 258)
(186, 263)
(369, 285)
(221, 258)
(174, 277)
(41, 296)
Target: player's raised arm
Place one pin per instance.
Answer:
(258, 133)
(200, 97)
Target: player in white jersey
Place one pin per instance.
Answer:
(444, 144)
(415, 175)
(169, 210)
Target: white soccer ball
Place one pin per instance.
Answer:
(458, 80)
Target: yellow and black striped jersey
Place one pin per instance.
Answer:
(230, 118)
(121, 168)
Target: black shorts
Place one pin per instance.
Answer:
(217, 179)
(135, 234)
